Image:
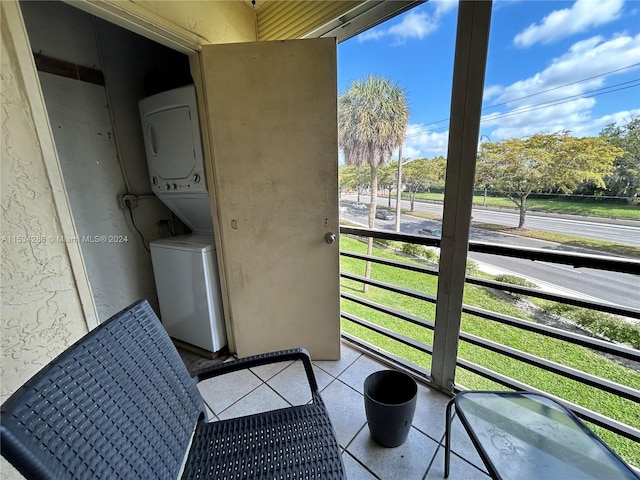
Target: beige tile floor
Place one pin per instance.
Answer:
(340, 382)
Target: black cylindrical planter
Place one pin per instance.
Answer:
(390, 402)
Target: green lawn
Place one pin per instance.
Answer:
(555, 350)
(552, 205)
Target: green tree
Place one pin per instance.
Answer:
(353, 177)
(387, 178)
(517, 167)
(625, 178)
(372, 121)
(422, 174)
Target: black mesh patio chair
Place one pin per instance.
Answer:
(120, 403)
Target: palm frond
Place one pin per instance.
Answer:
(372, 119)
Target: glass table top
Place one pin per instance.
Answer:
(530, 436)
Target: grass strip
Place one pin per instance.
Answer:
(556, 350)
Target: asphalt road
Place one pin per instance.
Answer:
(617, 288)
(621, 231)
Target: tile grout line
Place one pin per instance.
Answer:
(241, 398)
(342, 371)
(361, 464)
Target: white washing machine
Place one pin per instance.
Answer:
(186, 273)
(185, 267)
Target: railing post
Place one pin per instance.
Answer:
(472, 38)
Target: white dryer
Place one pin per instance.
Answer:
(185, 267)
(173, 144)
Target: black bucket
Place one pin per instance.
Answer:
(390, 403)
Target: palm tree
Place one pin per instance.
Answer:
(372, 121)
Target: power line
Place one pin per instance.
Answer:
(508, 114)
(561, 86)
(522, 98)
(551, 103)
(570, 98)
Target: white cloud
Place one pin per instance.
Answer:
(620, 118)
(443, 6)
(427, 144)
(582, 15)
(374, 34)
(491, 92)
(545, 120)
(414, 24)
(578, 73)
(584, 60)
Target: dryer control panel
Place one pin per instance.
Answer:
(172, 141)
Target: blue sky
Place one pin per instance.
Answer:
(552, 65)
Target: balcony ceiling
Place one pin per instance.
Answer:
(281, 20)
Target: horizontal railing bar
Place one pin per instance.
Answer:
(577, 260)
(577, 302)
(544, 364)
(567, 372)
(552, 332)
(575, 338)
(391, 263)
(596, 418)
(389, 287)
(507, 287)
(388, 333)
(388, 358)
(390, 311)
(388, 235)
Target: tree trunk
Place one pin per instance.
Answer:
(367, 265)
(412, 198)
(372, 219)
(523, 210)
(374, 197)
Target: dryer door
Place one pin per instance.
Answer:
(169, 143)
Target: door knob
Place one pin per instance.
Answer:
(329, 237)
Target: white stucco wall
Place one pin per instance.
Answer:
(45, 300)
(40, 307)
(99, 143)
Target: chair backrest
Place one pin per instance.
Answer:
(119, 403)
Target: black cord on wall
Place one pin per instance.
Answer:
(133, 222)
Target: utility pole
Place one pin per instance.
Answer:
(399, 189)
(484, 200)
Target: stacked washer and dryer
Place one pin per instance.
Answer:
(185, 266)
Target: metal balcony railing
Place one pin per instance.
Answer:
(623, 265)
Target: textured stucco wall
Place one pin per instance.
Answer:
(40, 308)
(98, 138)
(215, 22)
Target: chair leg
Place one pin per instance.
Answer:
(447, 439)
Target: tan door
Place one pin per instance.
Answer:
(271, 108)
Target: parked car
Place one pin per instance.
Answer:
(385, 215)
(431, 232)
(359, 206)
